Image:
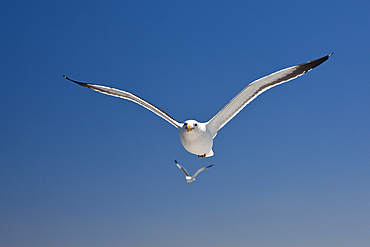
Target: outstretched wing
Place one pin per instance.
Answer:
(131, 97)
(257, 87)
(182, 168)
(200, 170)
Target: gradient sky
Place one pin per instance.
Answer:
(79, 168)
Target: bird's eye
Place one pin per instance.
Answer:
(185, 124)
(195, 124)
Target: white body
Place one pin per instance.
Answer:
(198, 140)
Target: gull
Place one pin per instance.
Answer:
(189, 178)
(197, 137)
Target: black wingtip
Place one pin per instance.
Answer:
(77, 82)
(305, 67)
(176, 161)
(66, 77)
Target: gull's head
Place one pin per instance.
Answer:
(191, 126)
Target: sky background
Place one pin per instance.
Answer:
(79, 168)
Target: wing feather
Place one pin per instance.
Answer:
(257, 87)
(200, 170)
(129, 96)
(182, 168)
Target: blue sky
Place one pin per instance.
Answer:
(78, 168)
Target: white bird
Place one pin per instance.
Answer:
(189, 178)
(196, 137)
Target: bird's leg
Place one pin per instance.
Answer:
(202, 156)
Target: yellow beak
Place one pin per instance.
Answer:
(189, 128)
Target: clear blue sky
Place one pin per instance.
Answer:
(78, 168)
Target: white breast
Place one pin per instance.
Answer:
(198, 141)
